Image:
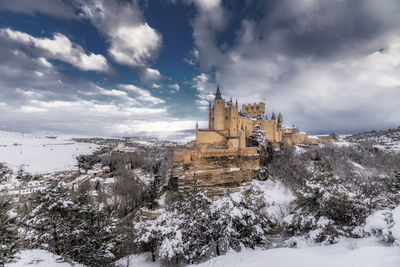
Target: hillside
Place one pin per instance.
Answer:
(309, 202)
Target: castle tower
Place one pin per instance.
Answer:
(273, 116)
(219, 112)
(233, 119)
(280, 120)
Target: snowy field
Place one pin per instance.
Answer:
(347, 253)
(40, 258)
(365, 252)
(41, 153)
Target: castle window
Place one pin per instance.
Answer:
(226, 117)
(212, 118)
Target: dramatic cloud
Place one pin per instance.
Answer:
(60, 48)
(210, 20)
(90, 66)
(327, 65)
(132, 41)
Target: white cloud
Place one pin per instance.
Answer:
(173, 129)
(98, 119)
(174, 86)
(44, 62)
(155, 85)
(132, 41)
(205, 90)
(141, 94)
(150, 75)
(61, 48)
(134, 45)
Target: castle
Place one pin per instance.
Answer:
(228, 127)
(220, 159)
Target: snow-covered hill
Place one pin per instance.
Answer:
(41, 153)
(386, 140)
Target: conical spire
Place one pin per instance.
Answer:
(273, 115)
(280, 118)
(218, 93)
(236, 103)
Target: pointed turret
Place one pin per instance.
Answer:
(273, 115)
(218, 93)
(280, 119)
(236, 103)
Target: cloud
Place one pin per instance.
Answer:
(155, 85)
(174, 87)
(159, 128)
(60, 48)
(205, 90)
(132, 41)
(141, 94)
(327, 65)
(150, 75)
(57, 8)
(211, 18)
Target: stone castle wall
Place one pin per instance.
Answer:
(206, 139)
(216, 170)
(254, 110)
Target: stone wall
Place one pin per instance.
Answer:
(295, 139)
(216, 171)
(206, 138)
(254, 110)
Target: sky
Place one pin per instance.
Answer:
(150, 67)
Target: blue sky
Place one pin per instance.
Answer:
(150, 67)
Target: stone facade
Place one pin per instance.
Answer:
(227, 126)
(217, 171)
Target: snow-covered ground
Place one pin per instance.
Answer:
(276, 196)
(347, 253)
(41, 153)
(365, 252)
(40, 258)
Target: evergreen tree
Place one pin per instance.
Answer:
(259, 138)
(9, 240)
(181, 233)
(93, 238)
(73, 228)
(324, 206)
(47, 224)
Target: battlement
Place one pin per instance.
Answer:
(254, 110)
